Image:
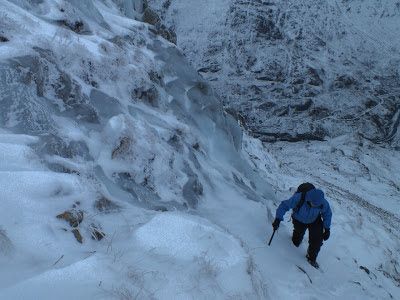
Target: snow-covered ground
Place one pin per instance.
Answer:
(216, 251)
(363, 192)
(112, 124)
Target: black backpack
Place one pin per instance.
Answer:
(303, 189)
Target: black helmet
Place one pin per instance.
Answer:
(305, 187)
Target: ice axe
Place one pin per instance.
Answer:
(272, 236)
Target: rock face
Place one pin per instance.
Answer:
(151, 17)
(127, 111)
(295, 70)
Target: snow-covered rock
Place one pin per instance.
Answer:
(186, 238)
(102, 116)
(96, 105)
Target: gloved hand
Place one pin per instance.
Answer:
(326, 234)
(275, 224)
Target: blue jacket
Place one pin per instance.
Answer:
(307, 213)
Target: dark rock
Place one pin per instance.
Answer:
(255, 89)
(365, 269)
(272, 137)
(155, 77)
(267, 28)
(214, 68)
(73, 217)
(344, 81)
(273, 71)
(160, 208)
(78, 26)
(303, 106)
(150, 17)
(132, 39)
(314, 77)
(146, 4)
(380, 92)
(266, 106)
(319, 112)
(3, 39)
(296, 89)
(370, 103)
(123, 148)
(320, 42)
(250, 62)
(59, 168)
(148, 183)
(278, 77)
(298, 81)
(77, 235)
(149, 95)
(175, 142)
(105, 205)
(167, 33)
(237, 116)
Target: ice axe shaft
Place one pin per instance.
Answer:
(272, 236)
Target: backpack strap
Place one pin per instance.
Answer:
(303, 189)
(300, 203)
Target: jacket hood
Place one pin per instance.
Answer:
(315, 196)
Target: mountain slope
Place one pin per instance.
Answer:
(122, 177)
(107, 132)
(297, 70)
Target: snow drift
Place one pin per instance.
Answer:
(122, 177)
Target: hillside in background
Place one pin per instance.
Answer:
(297, 70)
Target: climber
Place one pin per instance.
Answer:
(310, 211)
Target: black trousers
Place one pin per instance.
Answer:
(315, 236)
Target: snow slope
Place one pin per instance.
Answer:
(104, 118)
